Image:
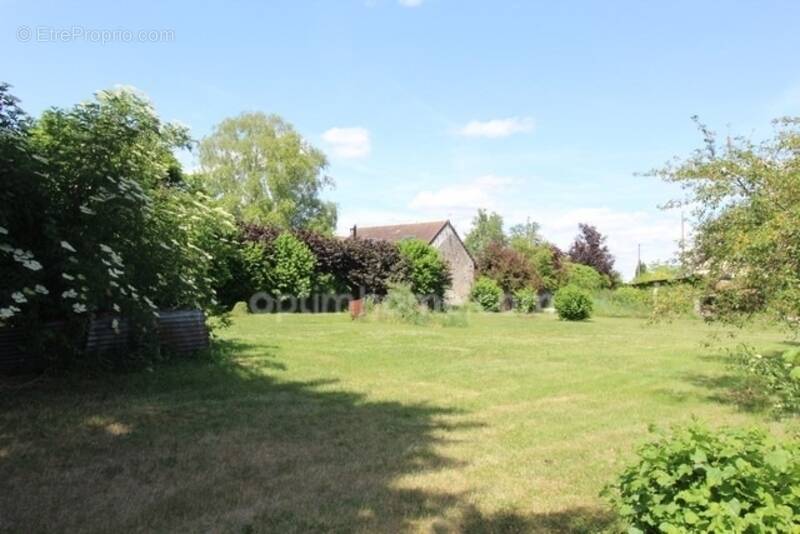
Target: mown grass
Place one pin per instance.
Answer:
(318, 423)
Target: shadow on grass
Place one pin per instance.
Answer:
(733, 387)
(572, 521)
(222, 444)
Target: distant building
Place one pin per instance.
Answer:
(442, 236)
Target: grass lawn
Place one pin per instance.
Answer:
(318, 423)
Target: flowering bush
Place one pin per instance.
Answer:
(108, 225)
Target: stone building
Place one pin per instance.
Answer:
(442, 236)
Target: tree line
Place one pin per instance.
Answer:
(523, 260)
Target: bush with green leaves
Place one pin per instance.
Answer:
(702, 480)
(573, 303)
(358, 266)
(526, 300)
(400, 303)
(487, 293)
(292, 263)
(585, 277)
(775, 375)
(428, 273)
(96, 218)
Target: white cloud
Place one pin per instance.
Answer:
(497, 127)
(409, 3)
(479, 193)
(348, 143)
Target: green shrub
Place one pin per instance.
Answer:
(702, 480)
(487, 294)
(292, 267)
(585, 277)
(573, 303)
(526, 300)
(401, 304)
(777, 376)
(428, 273)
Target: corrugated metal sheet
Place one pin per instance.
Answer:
(183, 331)
(180, 332)
(104, 339)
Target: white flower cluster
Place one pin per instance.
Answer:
(25, 257)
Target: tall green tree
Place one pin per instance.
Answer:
(262, 170)
(548, 261)
(527, 232)
(487, 228)
(745, 197)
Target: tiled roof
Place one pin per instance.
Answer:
(425, 231)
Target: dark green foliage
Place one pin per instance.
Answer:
(356, 266)
(96, 218)
(428, 273)
(526, 300)
(777, 375)
(703, 480)
(373, 266)
(487, 293)
(573, 303)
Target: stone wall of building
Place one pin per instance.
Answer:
(462, 268)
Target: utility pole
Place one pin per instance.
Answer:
(639, 259)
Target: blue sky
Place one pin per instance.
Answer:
(429, 109)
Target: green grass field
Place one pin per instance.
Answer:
(318, 423)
